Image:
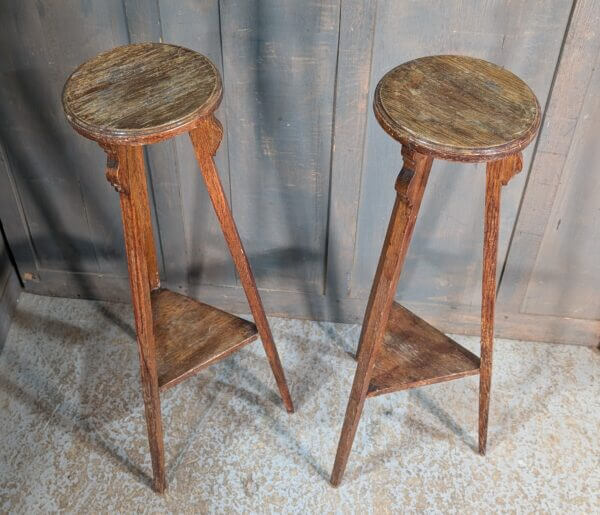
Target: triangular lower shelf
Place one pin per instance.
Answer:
(415, 353)
(190, 335)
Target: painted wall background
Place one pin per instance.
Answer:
(9, 289)
(308, 171)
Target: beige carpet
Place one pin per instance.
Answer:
(73, 435)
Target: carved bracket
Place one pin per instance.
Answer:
(207, 136)
(112, 170)
(405, 182)
(512, 165)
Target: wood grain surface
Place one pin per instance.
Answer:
(498, 173)
(457, 108)
(414, 353)
(125, 171)
(141, 93)
(410, 186)
(191, 335)
(64, 227)
(205, 140)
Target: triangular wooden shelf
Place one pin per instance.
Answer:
(415, 353)
(190, 335)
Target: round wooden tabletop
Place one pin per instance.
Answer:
(457, 108)
(141, 93)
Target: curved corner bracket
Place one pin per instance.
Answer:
(512, 166)
(405, 182)
(112, 170)
(207, 135)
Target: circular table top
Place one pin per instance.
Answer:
(141, 93)
(457, 108)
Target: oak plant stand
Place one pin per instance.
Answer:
(459, 109)
(140, 94)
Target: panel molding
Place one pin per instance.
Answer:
(573, 75)
(353, 76)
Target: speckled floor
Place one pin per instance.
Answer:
(73, 435)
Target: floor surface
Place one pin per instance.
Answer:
(73, 435)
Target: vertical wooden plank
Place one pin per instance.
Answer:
(72, 219)
(12, 215)
(72, 34)
(444, 265)
(565, 277)
(35, 143)
(567, 131)
(195, 24)
(144, 24)
(357, 23)
(143, 20)
(280, 59)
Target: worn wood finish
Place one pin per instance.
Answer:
(191, 335)
(125, 171)
(63, 224)
(357, 26)
(498, 173)
(206, 139)
(414, 353)
(444, 265)
(156, 91)
(457, 108)
(410, 186)
(112, 175)
(115, 99)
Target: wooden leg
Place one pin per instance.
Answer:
(151, 262)
(125, 171)
(206, 138)
(410, 187)
(498, 173)
(141, 198)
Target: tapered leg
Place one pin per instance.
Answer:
(206, 138)
(125, 171)
(410, 187)
(150, 248)
(498, 173)
(141, 199)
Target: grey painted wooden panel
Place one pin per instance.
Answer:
(196, 24)
(143, 24)
(444, 262)
(357, 23)
(57, 176)
(280, 61)
(558, 169)
(565, 279)
(307, 169)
